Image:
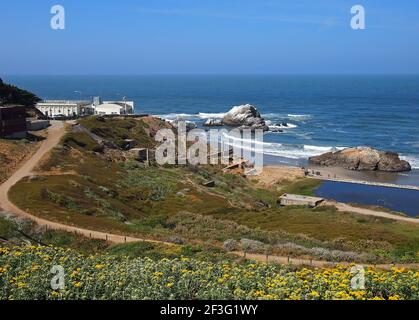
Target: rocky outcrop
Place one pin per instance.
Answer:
(231, 245)
(250, 245)
(362, 158)
(213, 123)
(246, 117)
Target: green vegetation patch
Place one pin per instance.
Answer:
(305, 186)
(119, 129)
(81, 140)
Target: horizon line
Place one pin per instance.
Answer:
(211, 74)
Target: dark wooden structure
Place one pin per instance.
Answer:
(12, 121)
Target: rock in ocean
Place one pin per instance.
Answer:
(213, 123)
(245, 116)
(363, 158)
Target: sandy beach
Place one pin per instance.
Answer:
(273, 174)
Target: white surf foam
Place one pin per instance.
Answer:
(175, 116)
(299, 116)
(273, 116)
(280, 126)
(227, 137)
(279, 149)
(200, 115)
(204, 115)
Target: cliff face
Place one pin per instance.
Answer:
(363, 158)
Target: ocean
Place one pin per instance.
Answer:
(323, 112)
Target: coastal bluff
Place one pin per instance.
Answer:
(362, 158)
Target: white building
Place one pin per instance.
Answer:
(65, 108)
(74, 109)
(112, 107)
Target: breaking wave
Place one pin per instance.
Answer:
(196, 116)
(176, 116)
(273, 120)
(292, 151)
(281, 126)
(299, 116)
(203, 115)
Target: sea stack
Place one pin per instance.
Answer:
(363, 158)
(245, 116)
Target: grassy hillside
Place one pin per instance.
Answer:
(117, 130)
(84, 185)
(20, 232)
(13, 153)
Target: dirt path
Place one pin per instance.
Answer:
(368, 212)
(315, 263)
(55, 133)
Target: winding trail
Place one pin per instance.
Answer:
(315, 263)
(57, 131)
(368, 212)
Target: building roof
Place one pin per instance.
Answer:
(109, 105)
(63, 103)
(297, 197)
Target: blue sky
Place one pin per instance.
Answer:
(203, 36)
